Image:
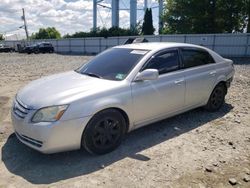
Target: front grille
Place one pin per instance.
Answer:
(29, 140)
(20, 109)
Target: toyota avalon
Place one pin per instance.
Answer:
(119, 90)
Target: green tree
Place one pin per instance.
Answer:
(47, 33)
(231, 15)
(1, 37)
(204, 16)
(247, 14)
(147, 26)
(103, 32)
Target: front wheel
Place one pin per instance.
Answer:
(216, 98)
(104, 132)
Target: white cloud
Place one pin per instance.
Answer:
(80, 5)
(68, 16)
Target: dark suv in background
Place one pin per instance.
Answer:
(43, 47)
(5, 48)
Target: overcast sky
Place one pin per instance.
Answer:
(68, 16)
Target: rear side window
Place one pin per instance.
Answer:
(192, 58)
(46, 45)
(164, 62)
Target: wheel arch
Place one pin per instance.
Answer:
(119, 109)
(221, 80)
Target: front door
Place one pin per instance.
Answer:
(153, 99)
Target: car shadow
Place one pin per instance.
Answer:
(39, 168)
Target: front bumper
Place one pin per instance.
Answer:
(228, 82)
(49, 137)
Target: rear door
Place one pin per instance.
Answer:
(41, 47)
(153, 99)
(47, 47)
(200, 75)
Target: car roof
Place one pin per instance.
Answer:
(157, 45)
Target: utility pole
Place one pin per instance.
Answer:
(94, 14)
(133, 14)
(25, 24)
(145, 5)
(160, 16)
(115, 13)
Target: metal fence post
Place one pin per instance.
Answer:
(246, 47)
(70, 45)
(213, 45)
(84, 46)
(57, 45)
(100, 45)
(185, 38)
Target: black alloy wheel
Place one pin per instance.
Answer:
(104, 132)
(217, 98)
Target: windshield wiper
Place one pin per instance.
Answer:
(92, 74)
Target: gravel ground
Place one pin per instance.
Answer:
(194, 149)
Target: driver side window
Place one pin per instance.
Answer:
(164, 62)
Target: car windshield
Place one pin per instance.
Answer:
(112, 64)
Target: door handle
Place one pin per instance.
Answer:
(178, 82)
(212, 73)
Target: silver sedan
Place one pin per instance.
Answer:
(121, 89)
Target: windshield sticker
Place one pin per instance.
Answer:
(120, 76)
(141, 52)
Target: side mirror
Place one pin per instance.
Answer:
(148, 74)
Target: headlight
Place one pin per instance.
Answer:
(49, 114)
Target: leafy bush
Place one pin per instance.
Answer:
(104, 32)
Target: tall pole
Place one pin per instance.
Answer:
(160, 15)
(94, 14)
(115, 13)
(133, 14)
(25, 24)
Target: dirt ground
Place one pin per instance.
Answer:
(194, 149)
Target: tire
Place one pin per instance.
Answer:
(104, 132)
(217, 98)
(36, 51)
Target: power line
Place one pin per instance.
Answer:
(11, 10)
(125, 6)
(109, 15)
(11, 30)
(101, 17)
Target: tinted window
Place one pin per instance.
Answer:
(113, 64)
(47, 45)
(192, 58)
(164, 62)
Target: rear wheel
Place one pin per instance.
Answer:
(36, 51)
(217, 98)
(104, 132)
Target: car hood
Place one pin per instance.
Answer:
(61, 88)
